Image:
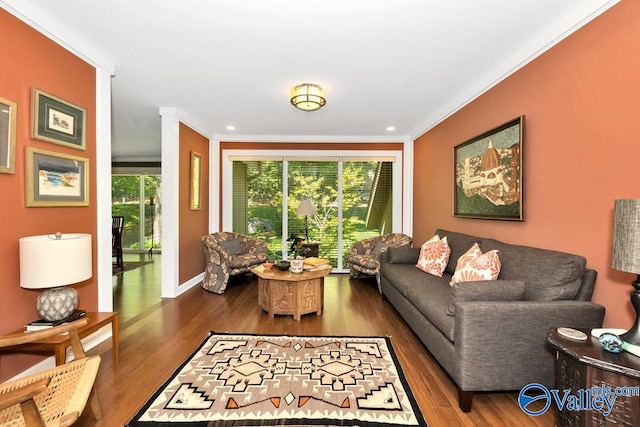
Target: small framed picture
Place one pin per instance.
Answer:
(196, 166)
(56, 179)
(8, 113)
(58, 121)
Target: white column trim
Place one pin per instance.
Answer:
(103, 189)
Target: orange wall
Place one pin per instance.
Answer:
(581, 105)
(193, 223)
(32, 60)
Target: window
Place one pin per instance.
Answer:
(353, 198)
(137, 197)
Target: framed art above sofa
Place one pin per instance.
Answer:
(488, 171)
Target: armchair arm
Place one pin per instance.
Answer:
(495, 340)
(23, 393)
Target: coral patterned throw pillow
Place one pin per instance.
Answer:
(434, 256)
(473, 266)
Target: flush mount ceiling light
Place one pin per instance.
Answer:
(307, 97)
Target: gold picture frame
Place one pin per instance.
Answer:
(55, 120)
(195, 179)
(56, 179)
(489, 174)
(8, 114)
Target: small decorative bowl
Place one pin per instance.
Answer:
(268, 265)
(282, 265)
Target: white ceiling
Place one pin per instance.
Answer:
(401, 63)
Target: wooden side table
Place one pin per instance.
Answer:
(582, 365)
(59, 343)
(284, 292)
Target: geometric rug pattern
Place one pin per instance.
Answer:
(251, 380)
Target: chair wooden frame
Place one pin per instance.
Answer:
(55, 396)
(117, 226)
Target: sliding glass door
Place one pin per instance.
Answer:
(137, 197)
(352, 198)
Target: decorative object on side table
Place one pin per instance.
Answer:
(625, 254)
(306, 208)
(297, 265)
(51, 262)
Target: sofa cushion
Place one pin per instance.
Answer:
(431, 297)
(473, 265)
(379, 247)
(434, 255)
(403, 255)
(459, 244)
(548, 275)
(485, 290)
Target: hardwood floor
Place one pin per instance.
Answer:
(157, 335)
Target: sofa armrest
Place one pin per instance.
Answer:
(503, 344)
(485, 290)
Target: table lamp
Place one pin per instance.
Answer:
(625, 254)
(51, 262)
(306, 208)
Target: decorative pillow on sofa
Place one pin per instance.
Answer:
(473, 265)
(486, 290)
(434, 256)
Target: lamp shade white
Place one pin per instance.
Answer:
(54, 261)
(306, 208)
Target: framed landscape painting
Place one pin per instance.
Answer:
(55, 179)
(489, 174)
(58, 121)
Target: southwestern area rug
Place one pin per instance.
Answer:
(251, 380)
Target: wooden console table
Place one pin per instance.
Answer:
(284, 292)
(59, 343)
(582, 365)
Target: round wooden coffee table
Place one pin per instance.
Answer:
(284, 292)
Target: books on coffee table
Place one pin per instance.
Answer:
(315, 263)
(40, 324)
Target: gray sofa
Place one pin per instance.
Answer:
(491, 335)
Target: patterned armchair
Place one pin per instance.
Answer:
(363, 260)
(228, 254)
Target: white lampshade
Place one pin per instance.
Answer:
(306, 208)
(625, 254)
(48, 262)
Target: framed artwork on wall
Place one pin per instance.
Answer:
(58, 121)
(8, 113)
(194, 194)
(56, 179)
(488, 171)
